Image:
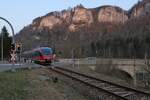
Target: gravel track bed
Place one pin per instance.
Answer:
(88, 71)
(43, 86)
(87, 91)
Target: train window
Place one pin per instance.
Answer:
(47, 51)
(36, 53)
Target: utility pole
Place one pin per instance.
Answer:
(134, 60)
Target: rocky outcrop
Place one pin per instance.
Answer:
(112, 14)
(82, 16)
(66, 16)
(140, 9)
(50, 22)
(79, 17)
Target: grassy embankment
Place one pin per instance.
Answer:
(12, 86)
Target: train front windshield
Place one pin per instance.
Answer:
(47, 51)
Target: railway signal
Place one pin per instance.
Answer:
(18, 51)
(15, 52)
(18, 47)
(13, 55)
(12, 47)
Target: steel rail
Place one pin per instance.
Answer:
(86, 83)
(128, 88)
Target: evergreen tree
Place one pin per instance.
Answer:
(5, 32)
(6, 42)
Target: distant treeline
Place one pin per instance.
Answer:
(130, 40)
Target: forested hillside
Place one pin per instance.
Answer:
(106, 31)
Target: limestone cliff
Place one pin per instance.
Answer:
(140, 9)
(112, 14)
(78, 17)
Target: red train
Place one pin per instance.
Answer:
(42, 55)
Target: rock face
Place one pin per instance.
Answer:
(49, 21)
(112, 14)
(78, 17)
(140, 9)
(66, 16)
(82, 16)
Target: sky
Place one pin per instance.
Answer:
(20, 13)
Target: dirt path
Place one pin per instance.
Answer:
(42, 87)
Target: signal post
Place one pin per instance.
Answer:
(16, 52)
(18, 48)
(12, 53)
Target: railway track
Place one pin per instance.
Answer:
(114, 91)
